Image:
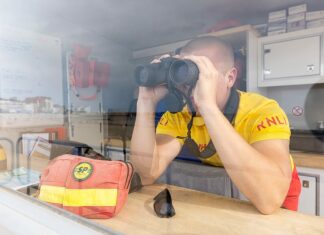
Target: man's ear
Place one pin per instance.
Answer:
(231, 76)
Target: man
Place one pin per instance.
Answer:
(252, 145)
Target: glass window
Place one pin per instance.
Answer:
(219, 102)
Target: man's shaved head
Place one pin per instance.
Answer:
(217, 50)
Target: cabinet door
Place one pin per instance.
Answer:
(293, 58)
(308, 201)
(87, 131)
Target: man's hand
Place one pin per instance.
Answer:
(205, 91)
(153, 94)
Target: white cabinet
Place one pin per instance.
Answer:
(309, 197)
(87, 129)
(311, 200)
(291, 59)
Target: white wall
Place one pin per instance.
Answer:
(309, 97)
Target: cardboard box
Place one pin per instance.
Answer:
(297, 25)
(315, 23)
(314, 15)
(279, 25)
(297, 9)
(277, 19)
(281, 31)
(270, 29)
(296, 17)
(277, 14)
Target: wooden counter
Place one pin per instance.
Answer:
(311, 160)
(204, 213)
(302, 159)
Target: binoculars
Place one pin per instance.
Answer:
(169, 70)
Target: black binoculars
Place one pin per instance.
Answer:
(176, 71)
(171, 72)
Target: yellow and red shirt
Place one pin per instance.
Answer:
(258, 118)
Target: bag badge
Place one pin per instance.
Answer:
(82, 171)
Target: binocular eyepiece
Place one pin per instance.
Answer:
(176, 71)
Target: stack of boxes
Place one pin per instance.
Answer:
(315, 19)
(298, 18)
(277, 22)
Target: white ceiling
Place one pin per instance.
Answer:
(136, 24)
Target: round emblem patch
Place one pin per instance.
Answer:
(82, 171)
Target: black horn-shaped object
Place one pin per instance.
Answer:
(163, 204)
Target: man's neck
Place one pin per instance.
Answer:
(223, 106)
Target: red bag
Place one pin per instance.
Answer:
(87, 187)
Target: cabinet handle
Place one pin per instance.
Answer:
(305, 184)
(267, 71)
(310, 67)
(266, 51)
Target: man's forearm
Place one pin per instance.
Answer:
(257, 176)
(143, 140)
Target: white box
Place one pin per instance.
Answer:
(270, 29)
(276, 32)
(315, 23)
(277, 23)
(284, 18)
(29, 141)
(296, 17)
(277, 14)
(296, 25)
(314, 15)
(297, 9)
(274, 26)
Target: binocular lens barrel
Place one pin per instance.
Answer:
(143, 75)
(183, 72)
(179, 72)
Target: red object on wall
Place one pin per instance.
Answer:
(85, 72)
(101, 74)
(60, 132)
(81, 72)
(98, 74)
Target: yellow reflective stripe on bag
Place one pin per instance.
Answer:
(78, 197)
(90, 197)
(52, 194)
